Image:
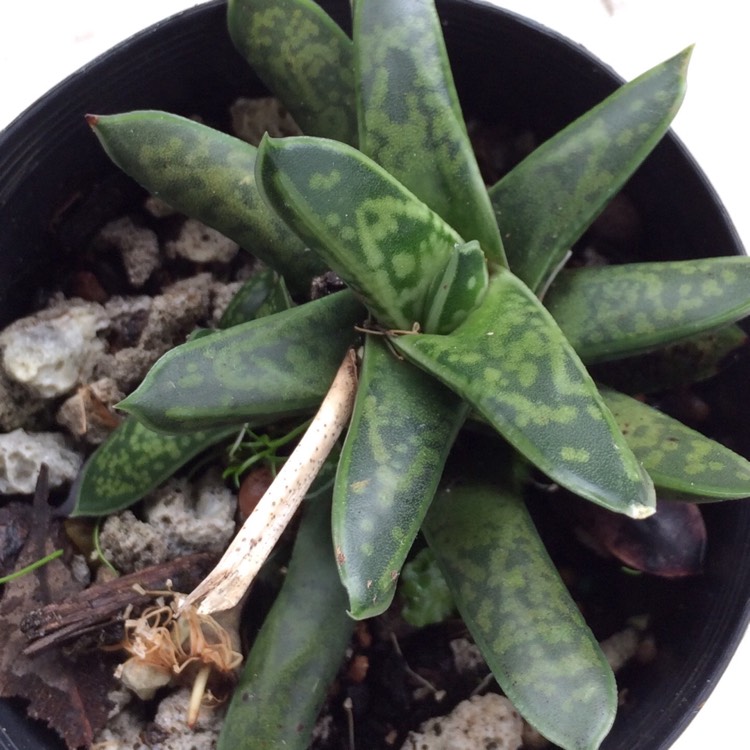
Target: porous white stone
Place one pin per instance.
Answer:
(201, 244)
(138, 247)
(467, 657)
(158, 208)
(176, 312)
(130, 544)
(22, 455)
(53, 351)
(170, 721)
(193, 517)
(251, 118)
(484, 722)
(621, 647)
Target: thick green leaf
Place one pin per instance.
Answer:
(300, 53)
(279, 365)
(520, 614)
(207, 175)
(676, 366)
(133, 461)
(298, 649)
(511, 362)
(546, 203)
(410, 119)
(403, 426)
(381, 239)
(676, 457)
(616, 311)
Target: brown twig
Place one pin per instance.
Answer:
(103, 604)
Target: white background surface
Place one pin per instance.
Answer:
(43, 41)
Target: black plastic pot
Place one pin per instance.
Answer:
(507, 70)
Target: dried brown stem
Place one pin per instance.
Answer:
(227, 583)
(102, 604)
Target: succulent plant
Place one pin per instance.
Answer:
(468, 323)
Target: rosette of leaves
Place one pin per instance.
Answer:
(460, 301)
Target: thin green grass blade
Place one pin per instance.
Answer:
(410, 119)
(617, 311)
(403, 426)
(512, 363)
(546, 203)
(300, 53)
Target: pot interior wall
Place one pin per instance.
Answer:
(507, 71)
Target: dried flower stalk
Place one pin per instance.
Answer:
(227, 583)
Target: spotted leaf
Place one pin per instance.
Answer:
(458, 290)
(279, 365)
(641, 306)
(381, 239)
(135, 459)
(264, 293)
(546, 203)
(403, 426)
(207, 175)
(304, 57)
(512, 363)
(410, 119)
(132, 461)
(675, 366)
(676, 457)
(520, 614)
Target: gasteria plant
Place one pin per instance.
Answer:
(459, 299)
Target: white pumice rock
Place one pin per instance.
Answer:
(251, 118)
(622, 646)
(144, 328)
(127, 730)
(221, 295)
(199, 243)
(138, 247)
(127, 317)
(22, 455)
(484, 722)
(176, 312)
(158, 208)
(467, 657)
(170, 723)
(130, 544)
(54, 350)
(17, 405)
(80, 570)
(126, 367)
(193, 517)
